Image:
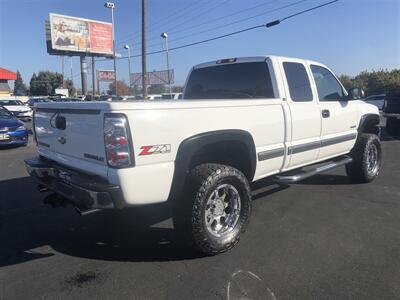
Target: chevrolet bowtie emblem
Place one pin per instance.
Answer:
(62, 140)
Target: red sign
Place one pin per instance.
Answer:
(106, 75)
(100, 34)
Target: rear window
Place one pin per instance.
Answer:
(233, 81)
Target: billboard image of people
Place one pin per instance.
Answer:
(72, 34)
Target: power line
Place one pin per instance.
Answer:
(171, 30)
(267, 25)
(181, 13)
(237, 21)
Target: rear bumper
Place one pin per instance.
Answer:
(82, 190)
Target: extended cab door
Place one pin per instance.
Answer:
(303, 139)
(339, 118)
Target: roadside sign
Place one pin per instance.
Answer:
(153, 78)
(106, 75)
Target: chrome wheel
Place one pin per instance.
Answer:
(372, 159)
(222, 210)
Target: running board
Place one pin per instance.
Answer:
(301, 176)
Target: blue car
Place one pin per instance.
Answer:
(12, 131)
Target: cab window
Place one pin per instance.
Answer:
(298, 82)
(328, 87)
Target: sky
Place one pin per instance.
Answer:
(349, 36)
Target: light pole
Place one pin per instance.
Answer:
(112, 6)
(129, 63)
(164, 35)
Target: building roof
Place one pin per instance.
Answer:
(7, 75)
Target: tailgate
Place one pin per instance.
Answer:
(71, 133)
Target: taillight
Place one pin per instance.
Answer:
(116, 138)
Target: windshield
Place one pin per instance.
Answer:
(5, 114)
(232, 81)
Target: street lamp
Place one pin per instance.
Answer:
(111, 5)
(129, 63)
(164, 35)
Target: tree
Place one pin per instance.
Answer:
(177, 89)
(45, 83)
(157, 89)
(373, 82)
(123, 88)
(69, 84)
(20, 88)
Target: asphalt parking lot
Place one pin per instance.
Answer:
(324, 238)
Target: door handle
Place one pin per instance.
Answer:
(326, 113)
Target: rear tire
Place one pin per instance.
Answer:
(214, 209)
(367, 159)
(393, 126)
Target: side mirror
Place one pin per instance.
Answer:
(356, 93)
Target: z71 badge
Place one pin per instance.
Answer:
(155, 149)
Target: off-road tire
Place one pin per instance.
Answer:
(190, 209)
(357, 170)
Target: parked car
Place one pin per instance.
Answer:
(391, 110)
(68, 100)
(172, 96)
(154, 97)
(240, 120)
(18, 108)
(377, 100)
(12, 131)
(110, 98)
(32, 101)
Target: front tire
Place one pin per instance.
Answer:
(215, 208)
(367, 159)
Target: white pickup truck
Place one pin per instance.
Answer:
(240, 120)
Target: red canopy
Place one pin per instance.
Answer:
(7, 75)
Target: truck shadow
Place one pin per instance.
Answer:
(30, 230)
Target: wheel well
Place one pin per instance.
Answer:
(232, 153)
(232, 147)
(370, 125)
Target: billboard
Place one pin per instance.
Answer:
(105, 75)
(155, 77)
(78, 36)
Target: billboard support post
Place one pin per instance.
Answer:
(93, 77)
(84, 75)
(62, 68)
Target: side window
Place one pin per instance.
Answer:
(299, 84)
(328, 87)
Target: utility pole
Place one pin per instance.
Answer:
(62, 67)
(111, 5)
(93, 78)
(84, 75)
(70, 62)
(144, 66)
